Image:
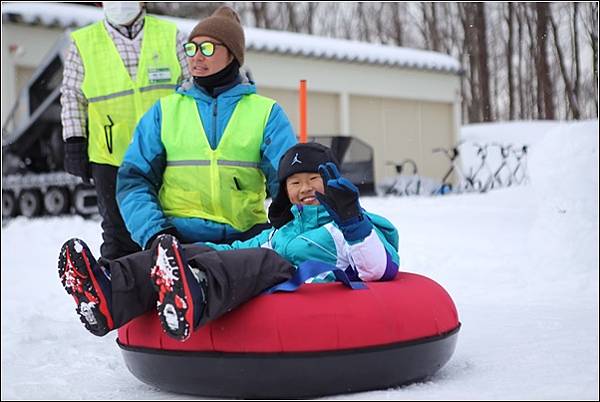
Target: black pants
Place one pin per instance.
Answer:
(117, 240)
(233, 277)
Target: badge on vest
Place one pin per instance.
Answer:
(158, 75)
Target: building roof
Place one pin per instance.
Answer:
(64, 15)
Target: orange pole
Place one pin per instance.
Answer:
(303, 111)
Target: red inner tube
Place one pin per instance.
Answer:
(317, 317)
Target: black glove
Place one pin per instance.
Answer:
(341, 201)
(76, 158)
(341, 196)
(279, 210)
(172, 231)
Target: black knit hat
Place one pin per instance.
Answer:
(301, 158)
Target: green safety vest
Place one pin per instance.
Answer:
(225, 184)
(115, 101)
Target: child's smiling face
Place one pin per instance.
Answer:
(302, 187)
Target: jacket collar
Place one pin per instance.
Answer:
(310, 216)
(242, 87)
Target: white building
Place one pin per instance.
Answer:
(402, 102)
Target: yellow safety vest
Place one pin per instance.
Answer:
(115, 101)
(223, 185)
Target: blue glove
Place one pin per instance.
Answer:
(341, 202)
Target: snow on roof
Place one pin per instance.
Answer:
(261, 40)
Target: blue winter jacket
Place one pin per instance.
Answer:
(312, 235)
(140, 176)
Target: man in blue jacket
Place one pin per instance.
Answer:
(202, 160)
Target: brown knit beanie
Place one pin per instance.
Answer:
(224, 25)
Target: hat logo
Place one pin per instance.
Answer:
(296, 160)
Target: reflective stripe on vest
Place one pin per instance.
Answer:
(223, 185)
(115, 101)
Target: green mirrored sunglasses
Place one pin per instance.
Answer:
(207, 48)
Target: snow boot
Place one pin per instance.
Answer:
(88, 283)
(180, 295)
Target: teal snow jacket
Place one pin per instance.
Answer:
(312, 235)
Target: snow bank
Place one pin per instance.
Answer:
(564, 179)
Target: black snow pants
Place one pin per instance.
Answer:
(233, 277)
(117, 241)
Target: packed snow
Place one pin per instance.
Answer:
(520, 263)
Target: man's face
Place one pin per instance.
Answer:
(301, 188)
(201, 65)
(121, 12)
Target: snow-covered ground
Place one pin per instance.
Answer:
(520, 263)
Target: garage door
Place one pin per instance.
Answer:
(399, 129)
(322, 110)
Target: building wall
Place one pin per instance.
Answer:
(322, 109)
(400, 113)
(401, 129)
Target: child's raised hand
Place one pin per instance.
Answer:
(341, 201)
(341, 196)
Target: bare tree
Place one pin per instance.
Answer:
(509, 62)
(182, 9)
(397, 25)
(448, 30)
(470, 45)
(363, 20)
(430, 26)
(378, 19)
(422, 27)
(535, 90)
(592, 33)
(311, 11)
(575, 45)
(520, 64)
(543, 70)
(293, 20)
(484, 75)
(502, 47)
(572, 100)
(348, 24)
(265, 14)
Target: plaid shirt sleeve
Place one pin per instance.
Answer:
(185, 72)
(73, 102)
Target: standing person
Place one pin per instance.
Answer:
(114, 71)
(202, 160)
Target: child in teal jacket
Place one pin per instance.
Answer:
(317, 217)
(319, 228)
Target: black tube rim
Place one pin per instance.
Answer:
(291, 375)
(283, 355)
